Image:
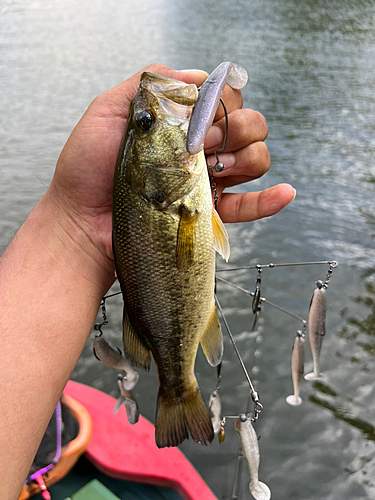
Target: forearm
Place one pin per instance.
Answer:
(51, 282)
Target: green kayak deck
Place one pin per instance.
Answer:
(84, 472)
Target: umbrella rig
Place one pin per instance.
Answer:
(249, 448)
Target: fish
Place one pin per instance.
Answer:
(297, 366)
(250, 451)
(127, 398)
(317, 329)
(165, 233)
(214, 405)
(113, 358)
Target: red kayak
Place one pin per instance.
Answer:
(129, 452)
(121, 456)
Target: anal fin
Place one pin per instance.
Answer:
(212, 339)
(221, 240)
(134, 350)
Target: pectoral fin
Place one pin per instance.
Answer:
(212, 340)
(221, 241)
(134, 350)
(186, 238)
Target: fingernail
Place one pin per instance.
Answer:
(294, 195)
(214, 137)
(193, 71)
(195, 76)
(227, 159)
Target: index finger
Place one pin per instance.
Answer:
(232, 99)
(244, 207)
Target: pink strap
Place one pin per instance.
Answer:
(45, 493)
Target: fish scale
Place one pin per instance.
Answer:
(157, 269)
(157, 274)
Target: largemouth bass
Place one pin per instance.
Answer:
(165, 233)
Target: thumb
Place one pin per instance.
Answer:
(115, 102)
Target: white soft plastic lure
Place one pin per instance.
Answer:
(214, 404)
(297, 365)
(208, 100)
(127, 398)
(250, 450)
(113, 358)
(317, 328)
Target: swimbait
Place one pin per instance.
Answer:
(317, 328)
(250, 450)
(113, 358)
(127, 398)
(297, 365)
(209, 96)
(214, 405)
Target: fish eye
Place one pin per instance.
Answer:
(144, 119)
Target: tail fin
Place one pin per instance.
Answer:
(175, 418)
(260, 491)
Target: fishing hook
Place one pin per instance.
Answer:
(218, 167)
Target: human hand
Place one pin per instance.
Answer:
(83, 181)
(245, 158)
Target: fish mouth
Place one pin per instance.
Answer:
(176, 99)
(173, 90)
(208, 100)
